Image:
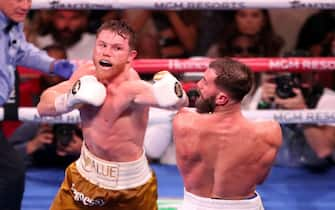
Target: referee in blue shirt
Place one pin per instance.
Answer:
(14, 51)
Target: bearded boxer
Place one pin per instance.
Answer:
(221, 155)
(112, 171)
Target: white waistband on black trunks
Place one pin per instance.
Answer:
(113, 175)
(195, 202)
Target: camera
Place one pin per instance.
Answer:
(285, 84)
(63, 133)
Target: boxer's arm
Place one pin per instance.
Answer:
(273, 137)
(54, 100)
(165, 92)
(46, 105)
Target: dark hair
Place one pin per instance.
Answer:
(232, 76)
(272, 43)
(268, 40)
(121, 28)
(228, 48)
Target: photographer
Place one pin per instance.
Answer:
(45, 145)
(309, 145)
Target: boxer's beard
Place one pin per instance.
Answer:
(111, 73)
(205, 105)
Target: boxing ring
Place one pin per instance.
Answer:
(285, 188)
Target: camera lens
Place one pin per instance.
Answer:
(284, 86)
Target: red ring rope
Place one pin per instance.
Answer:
(256, 64)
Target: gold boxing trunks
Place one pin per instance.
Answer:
(93, 183)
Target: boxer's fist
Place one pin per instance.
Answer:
(87, 90)
(167, 89)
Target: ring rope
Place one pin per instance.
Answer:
(199, 65)
(30, 114)
(181, 5)
(292, 64)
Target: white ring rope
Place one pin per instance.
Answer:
(181, 4)
(30, 114)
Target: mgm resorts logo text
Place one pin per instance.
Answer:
(317, 5)
(325, 117)
(57, 4)
(199, 5)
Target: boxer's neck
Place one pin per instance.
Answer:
(228, 109)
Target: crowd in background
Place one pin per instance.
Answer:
(184, 34)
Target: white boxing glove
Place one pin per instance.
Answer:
(167, 90)
(86, 90)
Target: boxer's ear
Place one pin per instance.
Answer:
(132, 55)
(222, 99)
